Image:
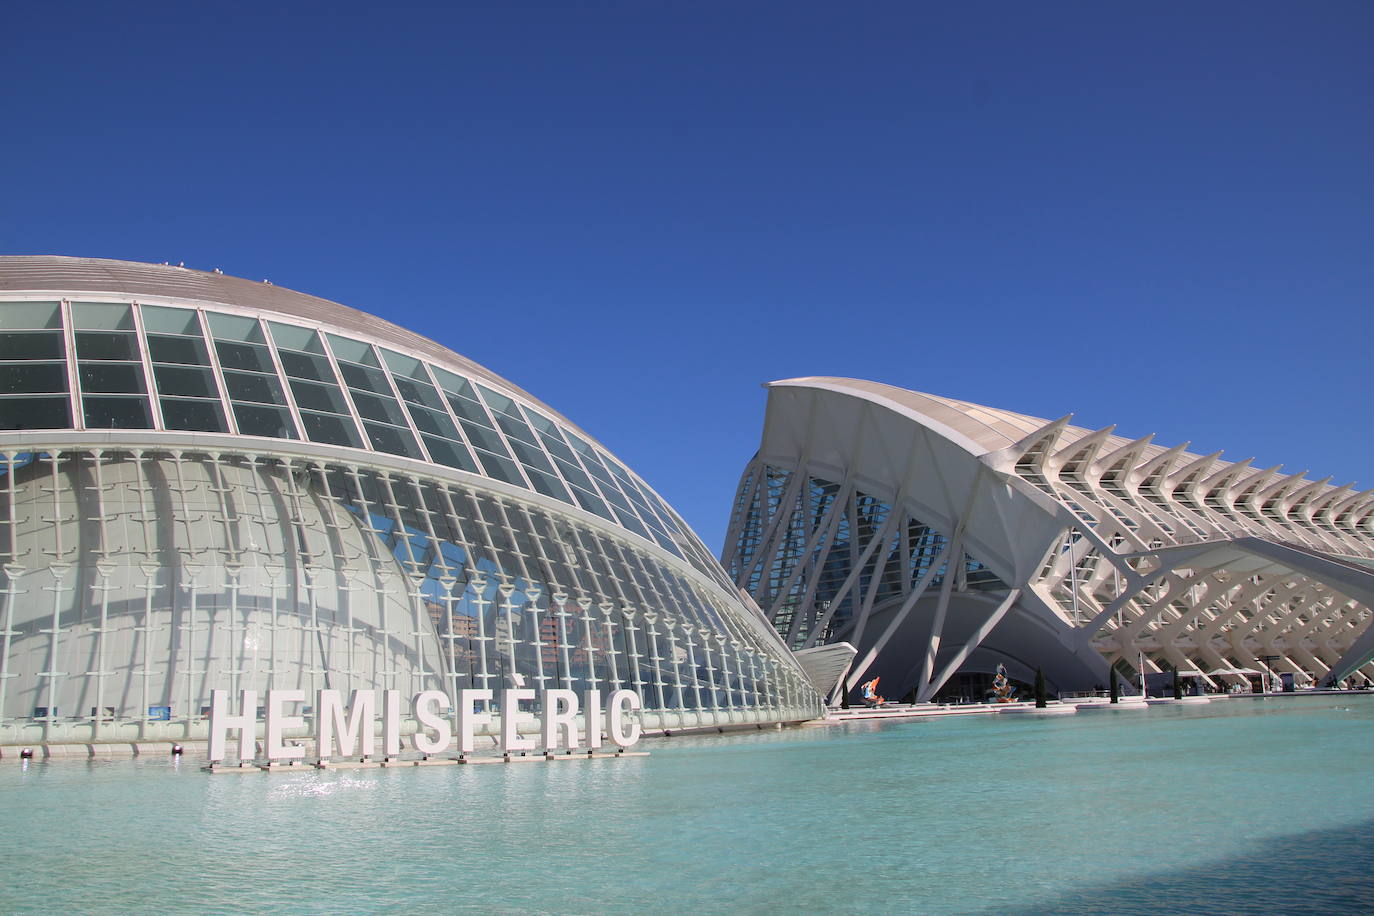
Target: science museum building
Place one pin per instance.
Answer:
(940, 539)
(212, 483)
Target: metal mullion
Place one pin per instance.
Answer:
(451, 675)
(232, 565)
(307, 569)
(149, 383)
(271, 346)
(415, 577)
(344, 391)
(208, 338)
(375, 564)
(73, 380)
(474, 576)
(453, 416)
(255, 469)
(384, 368)
(570, 563)
(585, 558)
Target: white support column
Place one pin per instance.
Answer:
(954, 558)
(929, 689)
(857, 671)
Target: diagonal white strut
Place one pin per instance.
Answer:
(928, 690)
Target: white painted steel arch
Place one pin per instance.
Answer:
(1077, 548)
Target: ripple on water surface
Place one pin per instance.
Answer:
(1241, 806)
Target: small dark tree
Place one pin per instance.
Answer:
(1116, 687)
(1039, 689)
(1178, 686)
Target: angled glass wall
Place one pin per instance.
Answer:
(199, 495)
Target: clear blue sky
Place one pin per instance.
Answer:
(1155, 215)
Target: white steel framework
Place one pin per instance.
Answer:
(211, 483)
(1072, 549)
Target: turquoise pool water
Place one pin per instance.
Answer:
(1242, 806)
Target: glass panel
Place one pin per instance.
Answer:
(332, 430)
(189, 351)
(117, 413)
(498, 401)
(126, 378)
(244, 356)
(265, 389)
(191, 383)
(450, 381)
(22, 377)
(40, 345)
(106, 346)
(303, 365)
(484, 438)
(556, 446)
(530, 456)
(500, 468)
(158, 319)
(516, 429)
(392, 440)
(469, 410)
(327, 398)
(365, 379)
(431, 421)
(273, 422)
(102, 316)
(403, 365)
(372, 407)
(592, 503)
(453, 454)
(629, 521)
(577, 443)
(354, 351)
(202, 416)
(574, 475)
(35, 413)
(549, 485)
(418, 393)
(235, 327)
(290, 337)
(30, 315)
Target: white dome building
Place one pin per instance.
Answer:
(207, 482)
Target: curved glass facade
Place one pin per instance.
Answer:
(200, 495)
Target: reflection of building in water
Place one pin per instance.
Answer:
(212, 483)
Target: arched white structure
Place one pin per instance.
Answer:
(1074, 549)
(207, 482)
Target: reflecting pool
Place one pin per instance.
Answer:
(1244, 805)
